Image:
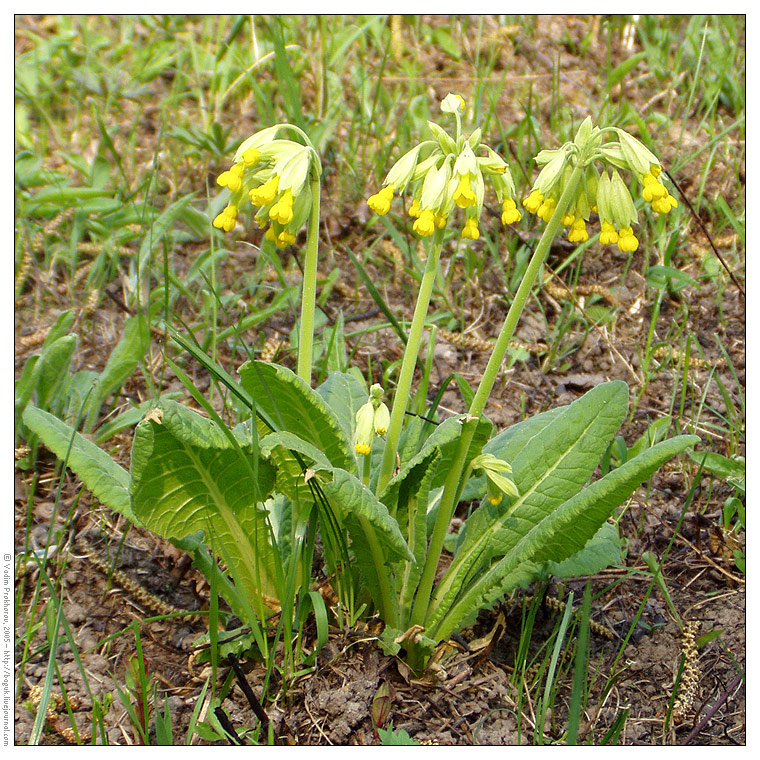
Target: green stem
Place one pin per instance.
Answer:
(453, 484)
(408, 363)
(309, 294)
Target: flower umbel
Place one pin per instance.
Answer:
(606, 194)
(446, 173)
(274, 174)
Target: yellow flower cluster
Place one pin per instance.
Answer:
(450, 176)
(605, 194)
(272, 174)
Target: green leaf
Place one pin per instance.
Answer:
(552, 457)
(24, 388)
(157, 231)
(395, 737)
(122, 362)
(54, 369)
(376, 540)
(722, 467)
(107, 480)
(293, 406)
(603, 550)
(188, 476)
(620, 71)
(344, 394)
(355, 500)
(560, 534)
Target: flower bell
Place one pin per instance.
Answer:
(372, 419)
(272, 173)
(496, 471)
(446, 173)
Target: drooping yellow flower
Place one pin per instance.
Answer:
(470, 230)
(232, 178)
(627, 242)
(665, 204)
(282, 211)
(608, 235)
(464, 195)
(226, 219)
(414, 209)
(424, 226)
(534, 201)
(546, 209)
(266, 193)
(250, 156)
(380, 202)
(284, 239)
(510, 214)
(578, 232)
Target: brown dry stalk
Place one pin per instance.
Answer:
(695, 362)
(557, 605)
(479, 344)
(53, 715)
(271, 348)
(145, 597)
(560, 292)
(687, 689)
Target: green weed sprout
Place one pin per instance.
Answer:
(281, 177)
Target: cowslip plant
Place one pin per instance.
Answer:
(381, 487)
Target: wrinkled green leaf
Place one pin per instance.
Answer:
(188, 476)
(107, 480)
(293, 406)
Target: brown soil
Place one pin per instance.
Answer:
(475, 697)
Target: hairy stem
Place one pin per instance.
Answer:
(408, 363)
(309, 294)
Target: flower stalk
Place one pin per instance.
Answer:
(408, 363)
(309, 293)
(423, 603)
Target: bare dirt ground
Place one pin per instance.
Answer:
(476, 698)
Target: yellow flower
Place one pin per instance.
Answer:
(533, 201)
(265, 194)
(653, 188)
(425, 224)
(464, 195)
(414, 209)
(284, 239)
(282, 211)
(546, 209)
(608, 235)
(664, 204)
(250, 156)
(627, 240)
(578, 233)
(510, 214)
(568, 219)
(232, 179)
(382, 419)
(470, 230)
(226, 220)
(380, 202)
(365, 418)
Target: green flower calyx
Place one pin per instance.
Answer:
(372, 419)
